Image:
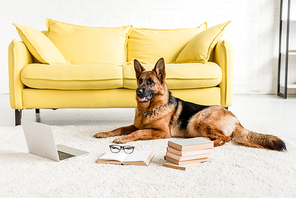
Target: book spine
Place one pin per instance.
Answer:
(198, 147)
(184, 158)
(188, 153)
(191, 147)
(175, 167)
(185, 162)
(174, 145)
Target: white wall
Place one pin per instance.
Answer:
(253, 31)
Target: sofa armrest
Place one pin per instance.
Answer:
(223, 56)
(18, 57)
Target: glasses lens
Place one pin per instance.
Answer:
(115, 148)
(128, 149)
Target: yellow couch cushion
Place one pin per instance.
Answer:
(89, 45)
(148, 45)
(180, 76)
(72, 77)
(40, 46)
(200, 47)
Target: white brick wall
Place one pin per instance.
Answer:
(253, 32)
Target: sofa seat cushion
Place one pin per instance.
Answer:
(72, 77)
(180, 76)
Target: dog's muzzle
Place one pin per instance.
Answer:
(144, 95)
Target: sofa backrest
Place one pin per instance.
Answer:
(121, 45)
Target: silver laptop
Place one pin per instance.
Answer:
(40, 141)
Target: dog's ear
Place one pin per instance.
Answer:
(138, 68)
(160, 70)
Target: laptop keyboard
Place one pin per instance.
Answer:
(63, 155)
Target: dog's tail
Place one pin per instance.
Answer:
(257, 140)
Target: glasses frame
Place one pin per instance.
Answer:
(122, 148)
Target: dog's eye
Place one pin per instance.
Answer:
(149, 82)
(140, 81)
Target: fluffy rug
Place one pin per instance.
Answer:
(233, 171)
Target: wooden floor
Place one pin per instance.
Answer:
(270, 110)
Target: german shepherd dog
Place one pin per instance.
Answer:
(160, 115)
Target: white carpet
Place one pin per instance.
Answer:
(233, 171)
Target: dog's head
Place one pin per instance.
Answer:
(151, 84)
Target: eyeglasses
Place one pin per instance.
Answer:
(114, 148)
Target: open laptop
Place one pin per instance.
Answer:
(40, 141)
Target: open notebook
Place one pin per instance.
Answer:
(136, 158)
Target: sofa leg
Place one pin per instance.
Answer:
(18, 116)
(37, 111)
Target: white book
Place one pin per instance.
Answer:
(136, 158)
(191, 144)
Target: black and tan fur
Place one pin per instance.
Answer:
(160, 115)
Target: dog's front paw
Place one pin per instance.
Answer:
(101, 135)
(120, 140)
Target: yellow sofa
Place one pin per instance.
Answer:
(37, 84)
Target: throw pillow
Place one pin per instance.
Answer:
(89, 45)
(200, 47)
(148, 45)
(40, 46)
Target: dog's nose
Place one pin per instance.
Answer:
(140, 91)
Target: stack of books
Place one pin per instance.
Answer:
(184, 154)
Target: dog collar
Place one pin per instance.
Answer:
(154, 110)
